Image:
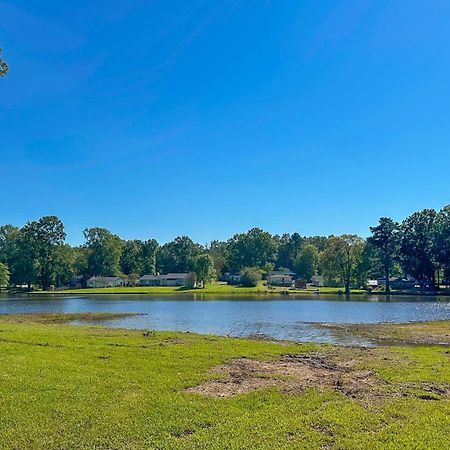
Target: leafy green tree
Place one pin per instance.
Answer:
(4, 276)
(320, 242)
(9, 236)
(132, 260)
(139, 257)
(105, 249)
(81, 261)
(191, 280)
(368, 266)
(441, 240)
(178, 255)
(250, 276)
(386, 238)
(24, 267)
(289, 248)
(342, 256)
(43, 239)
(204, 269)
(149, 252)
(307, 262)
(256, 248)
(218, 251)
(64, 264)
(417, 246)
(3, 66)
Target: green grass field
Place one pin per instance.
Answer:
(217, 288)
(65, 386)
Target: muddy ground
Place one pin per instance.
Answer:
(341, 370)
(415, 333)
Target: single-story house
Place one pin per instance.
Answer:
(280, 280)
(398, 283)
(373, 284)
(230, 278)
(318, 281)
(287, 273)
(102, 282)
(171, 279)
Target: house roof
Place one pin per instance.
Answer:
(280, 272)
(150, 277)
(162, 277)
(105, 278)
(279, 276)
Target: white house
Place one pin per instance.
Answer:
(281, 272)
(102, 282)
(280, 280)
(171, 279)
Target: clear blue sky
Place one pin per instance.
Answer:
(206, 118)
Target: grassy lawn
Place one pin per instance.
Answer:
(65, 386)
(217, 288)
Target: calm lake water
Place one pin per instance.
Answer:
(294, 319)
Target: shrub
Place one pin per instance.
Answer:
(250, 277)
(191, 281)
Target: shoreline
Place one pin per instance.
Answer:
(233, 291)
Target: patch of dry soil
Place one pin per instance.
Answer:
(294, 373)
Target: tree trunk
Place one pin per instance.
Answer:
(387, 275)
(347, 287)
(42, 279)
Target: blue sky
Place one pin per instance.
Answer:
(206, 118)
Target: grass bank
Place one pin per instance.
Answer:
(219, 289)
(63, 386)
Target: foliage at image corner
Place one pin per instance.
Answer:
(4, 68)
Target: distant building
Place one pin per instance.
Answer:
(318, 281)
(287, 273)
(171, 279)
(103, 282)
(398, 283)
(230, 278)
(373, 284)
(234, 278)
(280, 280)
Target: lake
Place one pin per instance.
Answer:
(295, 319)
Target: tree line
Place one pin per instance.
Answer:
(419, 247)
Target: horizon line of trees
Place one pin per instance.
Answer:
(418, 247)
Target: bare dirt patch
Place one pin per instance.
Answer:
(295, 373)
(291, 373)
